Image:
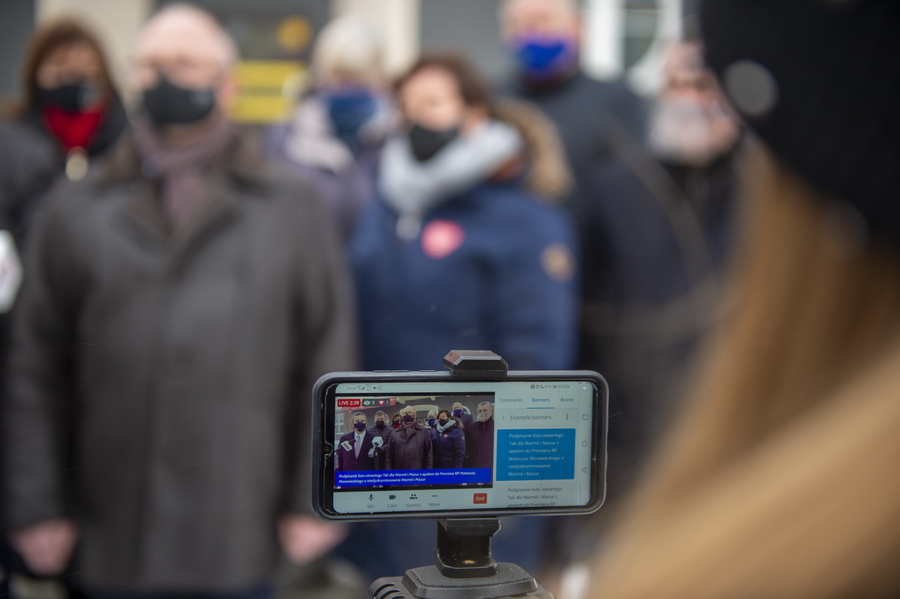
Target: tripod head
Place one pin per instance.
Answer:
(463, 569)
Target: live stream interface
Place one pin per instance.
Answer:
(462, 445)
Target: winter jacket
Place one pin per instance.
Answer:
(594, 119)
(28, 167)
(491, 268)
(449, 447)
(45, 168)
(409, 448)
(159, 381)
(652, 286)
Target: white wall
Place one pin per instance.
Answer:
(602, 41)
(646, 76)
(604, 32)
(399, 23)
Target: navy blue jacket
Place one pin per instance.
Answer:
(449, 448)
(508, 285)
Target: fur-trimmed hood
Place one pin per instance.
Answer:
(547, 174)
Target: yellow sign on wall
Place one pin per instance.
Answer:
(268, 89)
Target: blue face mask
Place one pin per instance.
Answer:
(349, 110)
(457, 412)
(431, 421)
(545, 57)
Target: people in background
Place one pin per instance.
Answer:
(597, 120)
(69, 114)
(335, 135)
(449, 441)
(462, 248)
(659, 257)
(431, 419)
(356, 449)
(409, 447)
(181, 300)
(462, 412)
(695, 133)
(380, 430)
(480, 438)
(779, 480)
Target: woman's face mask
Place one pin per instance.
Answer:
(426, 143)
(349, 110)
(72, 97)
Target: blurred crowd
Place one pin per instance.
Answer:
(186, 279)
(173, 283)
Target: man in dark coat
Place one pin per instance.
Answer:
(448, 441)
(180, 302)
(594, 118)
(356, 450)
(657, 273)
(409, 447)
(381, 429)
(480, 438)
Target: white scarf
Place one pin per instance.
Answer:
(413, 188)
(450, 424)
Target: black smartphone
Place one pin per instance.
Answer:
(428, 445)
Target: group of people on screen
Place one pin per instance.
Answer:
(446, 438)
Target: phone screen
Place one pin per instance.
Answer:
(453, 445)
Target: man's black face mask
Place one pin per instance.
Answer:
(170, 104)
(425, 143)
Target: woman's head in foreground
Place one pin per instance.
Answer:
(775, 483)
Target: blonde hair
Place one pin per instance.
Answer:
(781, 479)
(349, 50)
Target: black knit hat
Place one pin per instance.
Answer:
(819, 82)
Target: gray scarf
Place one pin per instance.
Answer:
(450, 424)
(183, 171)
(414, 188)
